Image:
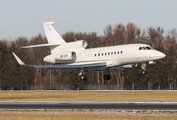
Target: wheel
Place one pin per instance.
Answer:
(83, 77)
(144, 72)
(106, 77)
(109, 77)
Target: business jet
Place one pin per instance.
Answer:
(74, 56)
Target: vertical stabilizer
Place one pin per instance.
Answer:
(52, 35)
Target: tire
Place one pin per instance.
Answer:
(144, 72)
(82, 77)
(85, 77)
(106, 77)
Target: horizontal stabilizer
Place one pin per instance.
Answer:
(41, 45)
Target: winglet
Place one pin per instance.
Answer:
(18, 59)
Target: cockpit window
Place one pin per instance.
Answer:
(144, 48)
(148, 48)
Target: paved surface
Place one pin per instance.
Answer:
(90, 105)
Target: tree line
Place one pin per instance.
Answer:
(161, 75)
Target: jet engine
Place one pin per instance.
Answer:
(77, 44)
(66, 56)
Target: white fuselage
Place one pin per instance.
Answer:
(114, 56)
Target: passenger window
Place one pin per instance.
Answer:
(118, 52)
(105, 54)
(102, 54)
(98, 54)
(95, 55)
(140, 48)
(144, 48)
(114, 53)
(111, 53)
(121, 52)
(108, 53)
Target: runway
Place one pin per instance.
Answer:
(90, 105)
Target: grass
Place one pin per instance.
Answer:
(81, 115)
(123, 96)
(130, 96)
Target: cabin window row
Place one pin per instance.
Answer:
(105, 54)
(109, 53)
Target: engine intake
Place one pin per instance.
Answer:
(68, 56)
(84, 43)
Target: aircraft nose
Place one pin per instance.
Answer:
(162, 55)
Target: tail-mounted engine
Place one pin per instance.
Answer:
(68, 56)
(77, 44)
(84, 44)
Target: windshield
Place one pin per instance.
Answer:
(146, 48)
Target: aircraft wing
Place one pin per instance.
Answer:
(103, 64)
(69, 66)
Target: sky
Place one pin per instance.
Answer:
(24, 18)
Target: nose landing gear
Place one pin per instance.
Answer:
(144, 68)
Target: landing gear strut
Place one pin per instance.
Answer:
(107, 76)
(144, 68)
(82, 75)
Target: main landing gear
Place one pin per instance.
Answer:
(107, 76)
(84, 77)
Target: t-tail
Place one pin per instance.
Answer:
(53, 38)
